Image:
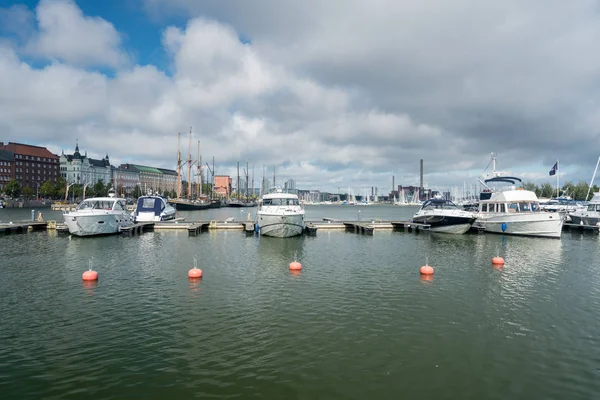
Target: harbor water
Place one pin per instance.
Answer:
(357, 322)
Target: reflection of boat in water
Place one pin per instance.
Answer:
(99, 216)
(280, 215)
(153, 208)
(515, 212)
(444, 216)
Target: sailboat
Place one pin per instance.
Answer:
(237, 202)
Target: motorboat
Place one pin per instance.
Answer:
(99, 216)
(515, 211)
(589, 215)
(153, 208)
(280, 215)
(444, 216)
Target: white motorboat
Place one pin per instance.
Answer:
(589, 215)
(280, 215)
(153, 208)
(515, 212)
(444, 216)
(99, 216)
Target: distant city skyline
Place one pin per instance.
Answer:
(328, 99)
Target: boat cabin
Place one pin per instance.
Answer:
(514, 200)
(102, 203)
(438, 203)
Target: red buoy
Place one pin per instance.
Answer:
(195, 273)
(90, 275)
(295, 266)
(497, 261)
(426, 270)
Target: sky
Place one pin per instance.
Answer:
(337, 94)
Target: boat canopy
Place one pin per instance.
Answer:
(506, 179)
(438, 203)
(150, 204)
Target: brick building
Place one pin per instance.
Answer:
(7, 164)
(222, 185)
(32, 165)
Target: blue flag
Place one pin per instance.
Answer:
(553, 170)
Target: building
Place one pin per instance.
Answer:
(289, 186)
(158, 180)
(80, 169)
(222, 185)
(7, 164)
(32, 165)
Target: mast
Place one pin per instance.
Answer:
(246, 181)
(592, 182)
(179, 165)
(557, 186)
(253, 181)
(189, 191)
(199, 174)
(274, 184)
(237, 189)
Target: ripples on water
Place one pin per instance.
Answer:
(357, 322)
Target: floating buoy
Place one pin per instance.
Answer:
(497, 261)
(426, 270)
(426, 278)
(90, 275)
(295, 266)
(195, 272)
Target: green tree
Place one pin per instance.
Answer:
(77, 190)
(100, 189)
(47, 189)
(568, 189)
(27, 192)
(137, 192)
(59, 187)
(546, 190)
(532, 187)
(580, 190)
(13, 188)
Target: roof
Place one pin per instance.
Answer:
(29, 150)
(280, 195)
(167, 171)
(511, 196)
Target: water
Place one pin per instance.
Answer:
(357, 322)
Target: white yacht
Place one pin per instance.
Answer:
(589, 215)
(99, 216)
(515, 212)
(153, 208)
(280, 215)
(444, 216)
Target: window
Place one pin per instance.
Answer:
(502, 208)
(513, 207)
(524, 207)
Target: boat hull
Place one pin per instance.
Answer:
(446, 223)
(152, 217)
(540, 224)
(189, 206)
(97, 224)
(277, 225)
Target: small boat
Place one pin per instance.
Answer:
(589, 215)
(515, 211)
(99, 216)
(189, 205)
(153, 208)
(444, 216)
(280, 215)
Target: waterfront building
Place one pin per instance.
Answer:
(127, 176)
(32, 165)
(222, 185)
(80, 169)
(7, 161)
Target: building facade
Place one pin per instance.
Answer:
(32, 165)
(157, 180)
(222, 185)
(7, 163)
(80, 169)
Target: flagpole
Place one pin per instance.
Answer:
(557, 186)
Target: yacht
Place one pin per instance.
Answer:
(444, 216)
(280, 215)
(153, 208)
(99, 216)
(515, 211)
(589, 215)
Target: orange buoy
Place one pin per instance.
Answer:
(497, 261)
(90, 275)
(426, 278)
(295, 266)
(426, 270)
(195, 273)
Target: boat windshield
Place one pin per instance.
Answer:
(437, 204)
(280, 202)
(96, 205)
(593, 207)
(150, 204)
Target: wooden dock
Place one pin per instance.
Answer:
(367, 227)
(579, 227)
(22, 227)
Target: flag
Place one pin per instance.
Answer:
(553, 170)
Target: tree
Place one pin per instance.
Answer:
(546, 190)
(580, 191)
(59, 187)
(27, 192)
(13, 188)
(100, 189)
(137, 192)
(47, 189)
(77, 190)
(532, 187)
(568, 189)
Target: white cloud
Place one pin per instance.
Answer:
(67, 35)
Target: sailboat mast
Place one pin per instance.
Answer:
(246, 181)
(179, 165)
(253, 181)
(189, 191)
(274, 184)
(199, 174)
(237, 188)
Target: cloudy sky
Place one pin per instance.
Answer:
(335, 94)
